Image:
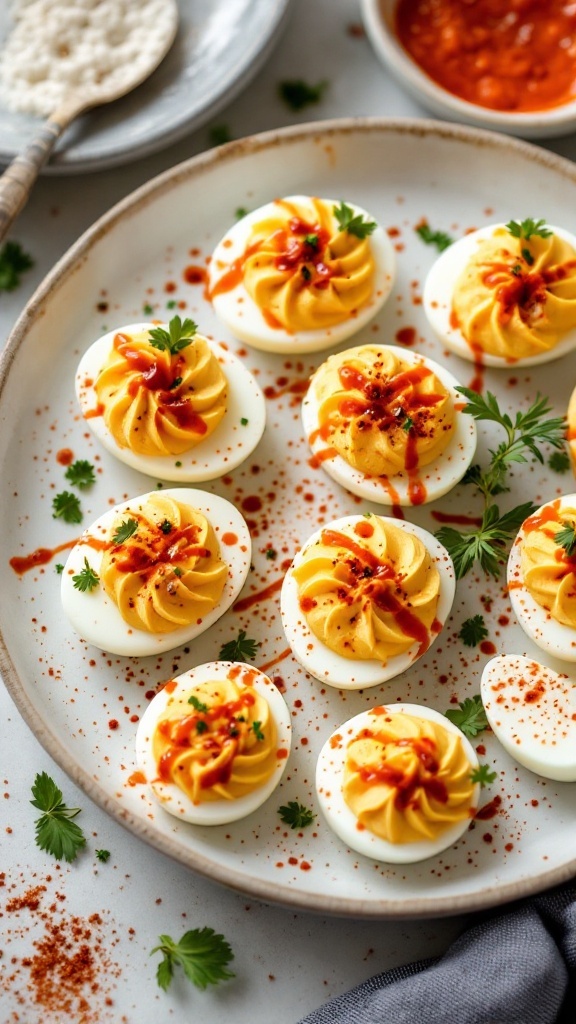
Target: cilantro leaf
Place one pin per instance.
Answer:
(440, 239)
(296, 815)
(66, 506)
(483, 775)
(473, 631)
(354, 224)
(13, 262)
(201, 953)
(469, 716)
(126, 530)
(102, 855)
(178, 336)
(240, 649)
(55, 831)
(80, 474)
(257, 730)
(528, 227)
(86, 579)
(298, 94)
(565, 537)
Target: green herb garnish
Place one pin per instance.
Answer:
(244, 421)
(407, 424)
(166, 526)
(524, 435)
(239, 649)
(102, 855)
(201, 953)
(147, 309)
(296, 815)
(13, 262)
(483, 775)
(469, 716)
(86, 579)
(527, 255)
(271, 554)
(527, 228)
(66, 506)
(473, 631)
(55, 831)
(178, 571)
(559, 462)
(565, 537)
(257, 730)
(438, 238)
(197, 704)
(178, 336)
(306, 273)
(312, 240)
(126, 530)
(201, 726)
(81, 474)
(240, 212)
(298, 94)
(175, 383)
(59, 568)
(354, 223)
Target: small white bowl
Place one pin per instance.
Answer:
(378, 16)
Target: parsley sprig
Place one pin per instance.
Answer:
(528, 227)
(296, 815)
(81, 474)
(56, 832)
(298, 94)
(525, 433)
(565, 537)
(240, 649)
(13, 262)
(86, 579)
(126, 530)
(469, 716)
(354, 223)
(178, 336)
(66, 506)
(201, 953)
(473, 631)
(438, 238)
(483, 775)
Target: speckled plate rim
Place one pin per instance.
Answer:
(408, 907)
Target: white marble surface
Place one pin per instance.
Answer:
(286, 963)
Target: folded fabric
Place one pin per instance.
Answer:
(515, 966)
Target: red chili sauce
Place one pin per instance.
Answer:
(509, 55)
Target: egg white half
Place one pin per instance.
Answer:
(437, 302)
(437, 477)
(168, 794)
(96, 617)
(342, 821)
(238, 311)
(532, 711)
(552, 636)
(222, 451)
(347, 673)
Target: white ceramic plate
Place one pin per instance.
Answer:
(213, 57)
(83, 705)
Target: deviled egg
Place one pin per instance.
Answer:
(364, 598)
(388, 425)
(301, 274)
(506, 294)
(395, 783)
(156, 571)
(213, 744)
(532, 711)
(541, 577)
(169, 402)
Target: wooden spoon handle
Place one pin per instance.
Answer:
(18, 178)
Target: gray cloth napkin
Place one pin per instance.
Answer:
(516, 966)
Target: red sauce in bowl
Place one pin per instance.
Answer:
(508, 55)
